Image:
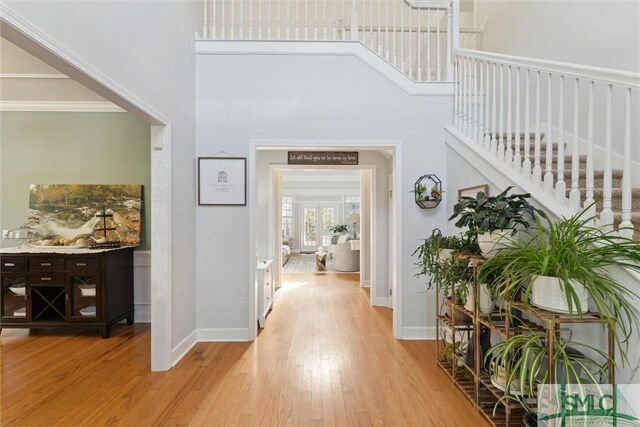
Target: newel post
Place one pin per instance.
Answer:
(354, 21)
(453, 28)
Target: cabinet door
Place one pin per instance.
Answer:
(83, 297)
(14, 298)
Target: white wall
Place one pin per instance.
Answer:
(147, 48)
(306, 98)
(604, 33)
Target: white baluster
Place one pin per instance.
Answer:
(335, 17)
(251, 19)
(493, 146)
(306, 19)
(410, 43)
(456, 96)
(386, 33)
(233, 21)
(537, 170)
(517, 157)
(526, 164)
(297, 31)
(402, 38)
(589, 202)
(241, 21)
(324, 19)
(626, 227)
(428, 53)
(205, 21)
(213, 19)
(269, 26)
(574, 194)
(419, 48)
(438, 67)
(480, 101)
(449, 39)
(501, 116)
(508, 155)
(548, 175)
(278, 20)
(379, 49)
(474, 134)
(371, 26)
(561, 187)
(364, 36)
(486, 143)
(606, 215)
(465, 95)
(287, 33)
(222, 20)
(315, 15)
(395, 37)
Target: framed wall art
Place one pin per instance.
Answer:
(222, 181)
(473, 191)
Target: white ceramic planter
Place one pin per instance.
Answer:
(486, 302)
(445, 254)
(548, 293)
(491, 242)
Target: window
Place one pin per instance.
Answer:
(287, 216)
(351, 206)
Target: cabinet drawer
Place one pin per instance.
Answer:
(46, 263)
(44, 278)
(16, 264)
(83, 264)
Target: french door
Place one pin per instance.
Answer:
(316, 222)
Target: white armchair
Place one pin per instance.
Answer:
(345, 259)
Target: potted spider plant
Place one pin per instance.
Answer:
(494, 218)
(520, 363)
(564, 268)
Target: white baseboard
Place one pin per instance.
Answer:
(223, 334)
(381, 301)
(142, 313)
(179, 351)
(419, 333)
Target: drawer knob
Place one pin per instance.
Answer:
(45, 264)
(9, 264)
(81, 264)
(45, 279)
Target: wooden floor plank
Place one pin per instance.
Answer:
(325, 358)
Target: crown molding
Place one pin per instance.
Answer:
(60, 106)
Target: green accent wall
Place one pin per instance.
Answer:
(70, 148)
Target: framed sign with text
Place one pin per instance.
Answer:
(222, 181)
(323, 158)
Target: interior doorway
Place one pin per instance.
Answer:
(380, 268)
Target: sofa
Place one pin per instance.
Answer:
(344, 258)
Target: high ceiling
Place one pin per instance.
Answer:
(28, 84)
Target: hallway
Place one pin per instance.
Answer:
(324, 358)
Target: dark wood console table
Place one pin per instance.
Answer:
(79, 288)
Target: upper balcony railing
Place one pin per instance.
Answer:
(417, 37)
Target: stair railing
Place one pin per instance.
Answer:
(415, 36)
(580, 116)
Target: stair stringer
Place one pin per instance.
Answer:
(326, 48)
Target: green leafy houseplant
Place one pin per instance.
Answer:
(485, 214)
(520, 363)
(578, 256)
(429, 253)
(340, 228)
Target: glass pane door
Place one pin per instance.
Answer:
(83, 297)
(14, 297)
(328, 222)
(309, 228)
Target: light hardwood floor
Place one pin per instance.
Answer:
(325, 358)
